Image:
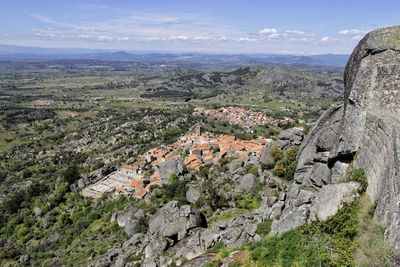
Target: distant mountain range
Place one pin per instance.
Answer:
(20, 53)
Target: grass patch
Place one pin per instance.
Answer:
(228, 214)
(329, 243)
(372, 250)
(264, 228)
(356, 175)
(349, 238)
(248, 201)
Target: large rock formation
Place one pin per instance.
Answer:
(174, 222)
(363, 133)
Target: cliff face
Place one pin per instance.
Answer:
(363, 133)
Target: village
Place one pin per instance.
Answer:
(190, 152)
(241, 116)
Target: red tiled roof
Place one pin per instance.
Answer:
(155, 177)
(137, 183)
(140, 193)
(190, 158)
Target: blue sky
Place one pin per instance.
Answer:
(205, 26)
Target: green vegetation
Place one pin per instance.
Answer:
(250, 200)
(71, 174)
(170, 134)
(65, 120)
(76, 229)
(173, 190)
(334, 242)
(321, 243)
(263, 228)
(349, 238)
(228, 214)
(358, 175)
(285, 162)
(253, 170)
(372, 250)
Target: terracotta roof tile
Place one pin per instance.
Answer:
(136, 183)
(140, 193)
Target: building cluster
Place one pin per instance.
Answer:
(193, 151)
(241, 116)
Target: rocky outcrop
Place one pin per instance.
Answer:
(363, 133)
(169, 167)
(290, 137)
(117, 256)
(232, 233)
(174, 222)
(193, 194)
(246, 183)
(129, 220)
(331, 198)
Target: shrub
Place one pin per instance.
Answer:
(290, 170)
(143, 225)
(286, 166)
(243, 136)
(291, 153)
(215, 149)
(211, 264)
(253, 170)
(249, 201)
(358, 175)
(212, 196)
(280, 169)
(170, 134)
(71, 174)
(276, 153)
(268, 165)
(173, 178)
(263, 228)
(13, 201)
(205, 170)
(174, 190)
(37, 188)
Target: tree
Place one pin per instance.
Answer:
(13, 201)
(71, 174)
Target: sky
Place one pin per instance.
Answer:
(202, 26)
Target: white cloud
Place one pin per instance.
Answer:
(179, 37)
(201, 38)
(325, 39)
(247, 39)
(132, 29)
(141, 26)
(268, 31)
(79, 37)
(273, 35)
(353, 32)
(296, 32)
